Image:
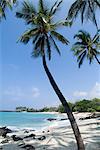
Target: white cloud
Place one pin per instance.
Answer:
(17, 93)
(93, 93)
(80, 93)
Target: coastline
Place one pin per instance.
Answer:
(57, 137)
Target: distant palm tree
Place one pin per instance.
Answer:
(86, 47)
(43, 33)
(4, 4)
(86, 8)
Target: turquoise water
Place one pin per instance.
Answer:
(25, 120)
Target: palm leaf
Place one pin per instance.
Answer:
(38, 43)
(48, 47)
(36, 53)
(81, 58)
(72, 11)
(55, 7)
(60, 37)
(36, 38)
(27, 12)
(55, 45)
(93, 14)
(41, 6)
(97, 2)
(27, 35)
(83, 10)
(52, 8)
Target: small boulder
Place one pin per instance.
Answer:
(16, 138)
(62, 119)
(51, 119)
(4, 131)
(31, 135)
(28, 147)
(5, 141)
(42, 138)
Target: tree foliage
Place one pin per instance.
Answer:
(86, 9)
(79, 106)
(4, 5)
(86, 47)
(43, 28)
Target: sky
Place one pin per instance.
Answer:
(23, 81)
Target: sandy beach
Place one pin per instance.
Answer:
(56, 137)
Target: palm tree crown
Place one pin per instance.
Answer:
(86, 47)
(43, 29)
(86, 8)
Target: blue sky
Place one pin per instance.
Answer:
(23, 79)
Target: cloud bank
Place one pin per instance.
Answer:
(93, 93)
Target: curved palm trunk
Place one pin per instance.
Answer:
(97, 59)
(73, 123)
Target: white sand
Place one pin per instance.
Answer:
(60, 137)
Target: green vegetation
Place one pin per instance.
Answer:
(85, 9)
(79, 106)
(4, 6)
(61, 108)
(83, 106)
(86, 47)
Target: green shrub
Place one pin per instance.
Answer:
(91, 110)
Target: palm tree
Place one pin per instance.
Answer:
(86, 8)
(86, 47)
(4, 4)
(43, 33)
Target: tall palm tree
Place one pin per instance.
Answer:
(4, 4)
(43, 33)
(86, 47)
(86, 8)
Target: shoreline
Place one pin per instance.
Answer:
(57, 137)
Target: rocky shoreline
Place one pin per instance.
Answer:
(48, 138)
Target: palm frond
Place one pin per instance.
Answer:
(92, 13)
(38, 47)
(73, 9)
(41, 6)
(4, 5)
(55, 45)
(81, 59)
(27, 12)
(38, 43)
(36, 38)
(96, 38)
(48, 47)
(60, 37)
(27, 35)
(83, 36)
(86, 9)
(80, 44)
(83, 10)
(52, 8)
(97, 2)
(36, 53)
(67, 23)
(55, 7)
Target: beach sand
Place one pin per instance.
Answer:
(58, 137)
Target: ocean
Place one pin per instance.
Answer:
(28, 120)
